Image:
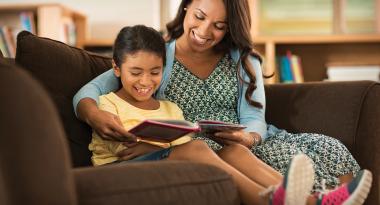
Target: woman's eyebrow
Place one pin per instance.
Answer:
(201, 11)
(206, 15)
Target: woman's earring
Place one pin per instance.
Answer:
(185, 9)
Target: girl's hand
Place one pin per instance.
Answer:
(238, 136)
(109, 127)
(135, 149)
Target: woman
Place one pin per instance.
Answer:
(212, 73)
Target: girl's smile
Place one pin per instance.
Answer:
(140, 75)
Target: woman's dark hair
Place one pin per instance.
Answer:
(132, 39)
(237, 37)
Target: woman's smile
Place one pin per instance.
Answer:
(199, 39)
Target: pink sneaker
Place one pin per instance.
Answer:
(353, 193)
(297, 184)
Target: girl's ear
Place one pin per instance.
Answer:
(116, 69)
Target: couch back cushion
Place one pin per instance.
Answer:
(63, 70)
(333, 108)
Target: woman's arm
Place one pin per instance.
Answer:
(252, 117)
(101, 85)
(106, 124)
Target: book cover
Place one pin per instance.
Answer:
(211, 126)
(164, 130)
(297, 69)
(170, 130)
(285, 70)
(3, 45)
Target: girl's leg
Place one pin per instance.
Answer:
(241, 158)
(198, 151)
(346, 178)
(293, 190)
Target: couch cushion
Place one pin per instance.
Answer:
(63, 70)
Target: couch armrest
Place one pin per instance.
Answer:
(163, 182)
(348, 111)
(367, 139)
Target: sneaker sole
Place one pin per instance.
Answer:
(361, 192)
(300, 180)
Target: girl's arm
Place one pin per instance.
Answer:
(107, 125)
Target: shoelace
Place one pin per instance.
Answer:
(323, 191)
(268, 190)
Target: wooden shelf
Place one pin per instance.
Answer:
(316, 51)
(51, 20)
(99, 43)
(316, 39)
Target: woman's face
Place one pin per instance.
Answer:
(205, 24)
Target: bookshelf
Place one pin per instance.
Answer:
(331, 31)
(49, 20)
(342, 38)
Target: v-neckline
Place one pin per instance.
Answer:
(196, 76)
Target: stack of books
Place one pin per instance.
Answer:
(290, 68)
(353, 72)
(8, 34)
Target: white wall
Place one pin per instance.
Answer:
(106, 17)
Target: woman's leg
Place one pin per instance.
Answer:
(241, 158)
(332, 161)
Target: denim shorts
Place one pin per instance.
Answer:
(152, 156)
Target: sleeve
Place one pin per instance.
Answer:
(252, 117)
(107, 105)
(101, 85)
(103, 152)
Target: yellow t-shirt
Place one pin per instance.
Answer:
(104, 151)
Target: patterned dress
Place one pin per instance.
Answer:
(216, 98)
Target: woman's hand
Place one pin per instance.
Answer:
(247, 139)
(107, 125)
(135, 149)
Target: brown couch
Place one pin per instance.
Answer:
(37, 127)
(348, 111)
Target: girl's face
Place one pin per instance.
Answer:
(140, 76)
(205, 24)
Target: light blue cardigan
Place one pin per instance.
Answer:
(253, 118)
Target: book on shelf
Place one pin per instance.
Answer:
(290, 68)
(68, 31)
(353, 71)
(170, 130)
(3, 45)
(27, 21)
(12, 23)
(9, 40)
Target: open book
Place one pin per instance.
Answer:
(169, 130)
